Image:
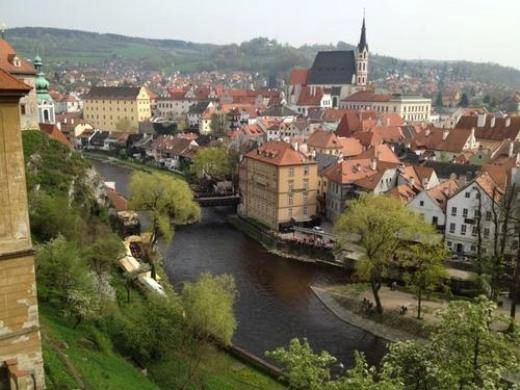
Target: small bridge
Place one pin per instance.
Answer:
(217, 201)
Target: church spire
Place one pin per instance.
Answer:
(363, 40)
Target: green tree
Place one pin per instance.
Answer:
(166, 200)
(463, 352)
(218, 124)
(424, 263)
(379, 225)
(103, 253)
(214, 162)
(124, 124)
(65, 281)
(208, 304)
(464, 100)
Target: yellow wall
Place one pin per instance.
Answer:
(267, 195)
(20, 342)
(106, 114)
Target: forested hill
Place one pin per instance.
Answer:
(259, 55)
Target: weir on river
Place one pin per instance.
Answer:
(275, 303)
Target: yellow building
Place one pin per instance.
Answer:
(118, 108)
(278, 185)
(21, 365)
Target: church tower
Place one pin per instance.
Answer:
(45, 101)
(362, 58)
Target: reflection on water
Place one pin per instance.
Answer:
(275, 303)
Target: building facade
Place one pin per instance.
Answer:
(278, 185)
(24, 71)
(410, 108)
(21, 364)
(118, 108)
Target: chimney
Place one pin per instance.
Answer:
(411, 180)
(510, 149)
(445, 133)
(481, 120)
(373, 164)
(425, 183)
(508, 121)
(492, 123)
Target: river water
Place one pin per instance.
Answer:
(275, 303)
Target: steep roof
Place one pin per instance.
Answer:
(324, 139)
(495, 128)
(8, 61)
(299, 76)
(348, 171)
(443, 191)
(278, 153)
(11, 85)
(333, 67)
(53, 132)
(350, 146)
(120, 93)
(382, 152)
(310, 96)
(455, 141)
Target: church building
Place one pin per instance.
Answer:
(45, 102)
(337, 74)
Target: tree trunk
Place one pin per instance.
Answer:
(419, 302)
(375, 291)
(153, 270)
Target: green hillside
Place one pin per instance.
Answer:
(259, 55)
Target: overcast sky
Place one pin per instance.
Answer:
(475, 30)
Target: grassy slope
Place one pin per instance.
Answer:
(85, 356)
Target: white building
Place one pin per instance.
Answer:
(431, 203)
(462, 215)
(410, 108)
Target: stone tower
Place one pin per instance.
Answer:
(362, 58)
(21, 365)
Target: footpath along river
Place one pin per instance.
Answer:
(275, 302)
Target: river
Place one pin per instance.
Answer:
(275, 303)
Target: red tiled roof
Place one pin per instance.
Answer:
(299, 76)
(278, 153)
(382, 152)
(7, 63)
(367, 96)
(53, 132)
(350, 146)
(117, 199)
(10, 84)
(499, 131)
(323, 139)
(310, 96)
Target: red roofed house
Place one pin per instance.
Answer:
(24, 71)
(278, 185)
(53, 132)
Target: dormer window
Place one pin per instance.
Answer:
(16, 62)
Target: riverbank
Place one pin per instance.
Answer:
(349, 316)
(286, 249)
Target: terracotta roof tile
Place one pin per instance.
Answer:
(278, 153)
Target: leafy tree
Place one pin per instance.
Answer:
(463, 352)
(213, 162)
(304, 369)
(208, 304)
(218, 124)
(124, 124)
(380, 225)
(166, 200)
(65, 281)
(425, 268)
(103, 253)
(464, 100)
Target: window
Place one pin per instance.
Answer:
(291, 200)
(421, 203)
(454, 211)
(452, 228)
(305, 210)
(305, 198)
(449, 243)
(467, 195)
(463, 229)
(473, 248)
(290, 212)
(488, 216)
(465, 213)
(291, 172)
(486, 232)
(306, 170)
(474, 231)
(291, 185)
(306, 184)
(22, 108)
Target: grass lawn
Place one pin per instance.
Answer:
(83, 356)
